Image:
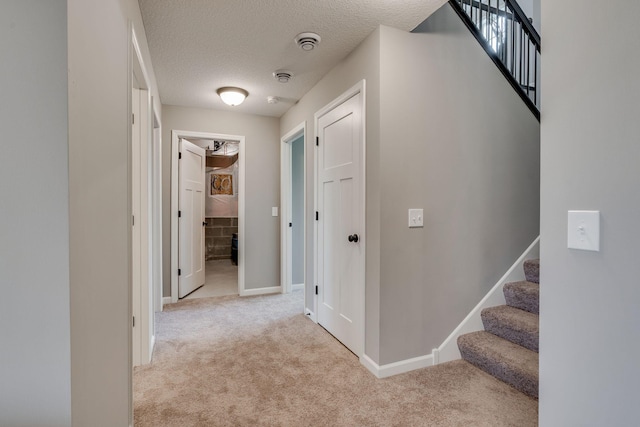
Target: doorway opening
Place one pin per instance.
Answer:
(219, 237)
(294, 212)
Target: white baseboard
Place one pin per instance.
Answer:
(261, 291)
(449, 351)
(396, 368)
(311, 315)
(166, 300)
(297, 286)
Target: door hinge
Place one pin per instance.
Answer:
(179, 214)
(179, 272)
(316, 289)
(134, 322)
(133, 119)
(179, 155)
(317, 140)
(133, 220)
(290, 224)
(317, 215)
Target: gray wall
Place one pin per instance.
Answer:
(99, 213)
(362, 63)
(297, 209)
(35, 358)
(476, 178)
(65, 92)
(590, 301)
(262, 186)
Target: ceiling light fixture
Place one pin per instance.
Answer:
(307, 41)
(232, 95)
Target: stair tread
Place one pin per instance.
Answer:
(532, 270)
(503, 359)
(523, 295)
(518, 326)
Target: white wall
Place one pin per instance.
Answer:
(590, 301)
(457, 141)
(362, 63)
(35, 354)
(262, 185)
(99, 207)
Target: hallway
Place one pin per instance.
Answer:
(221, 279)
(232, 361)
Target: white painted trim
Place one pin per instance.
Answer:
(396, 368)
(297, 286)
(175, 139)
(358, 88)
(286, 268)
(166, 300)
(261, 291)
(311, 315)
(473, 322)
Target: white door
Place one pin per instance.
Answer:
(340, 223)
(136, 229)
(191, 205)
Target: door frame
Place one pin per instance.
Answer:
(142, 293)
(286, 241)
(175, 139)
(358, 88)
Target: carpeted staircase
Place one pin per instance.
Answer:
(508, 347)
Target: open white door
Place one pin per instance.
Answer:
(191, 200)
(340, 202)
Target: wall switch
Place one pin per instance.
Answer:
(274, 211)
(416, 218)
(583, 230)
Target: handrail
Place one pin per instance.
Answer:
(522, 17)
(510, 40)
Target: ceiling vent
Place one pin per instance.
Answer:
(307, 41)
(283, 76)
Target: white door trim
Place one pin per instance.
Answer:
(286, 252)
(358, 88)
(175, 138)
(143, 290)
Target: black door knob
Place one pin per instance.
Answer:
(354, 238)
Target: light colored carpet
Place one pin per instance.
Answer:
(258, 361)
(221, 279)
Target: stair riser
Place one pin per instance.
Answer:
(527, 339)
(526, 384)
(532, 270)
(523, 301)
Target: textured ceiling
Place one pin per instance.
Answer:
(198, 46)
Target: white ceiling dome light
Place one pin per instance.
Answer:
(232, 95)
(307, 41)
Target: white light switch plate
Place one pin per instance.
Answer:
(274, 211)
(583, 230)
(416, 218)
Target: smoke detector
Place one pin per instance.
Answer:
(283, 76)
(307, 41)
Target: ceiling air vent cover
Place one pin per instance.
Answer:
(283, 76)
(307, 41)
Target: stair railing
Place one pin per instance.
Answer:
(509, 38)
